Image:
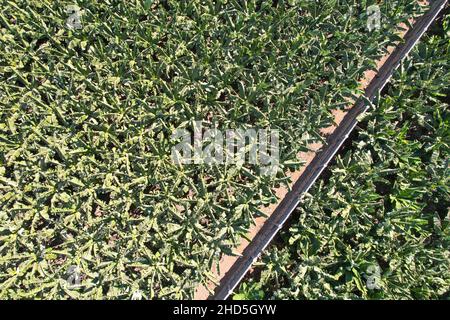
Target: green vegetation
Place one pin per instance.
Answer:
(385, 204)
(86, 115)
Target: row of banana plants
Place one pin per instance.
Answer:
(378, 227)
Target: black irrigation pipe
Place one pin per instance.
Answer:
(275, 222)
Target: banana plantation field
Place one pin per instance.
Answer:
(379, 226)
(92, 204)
